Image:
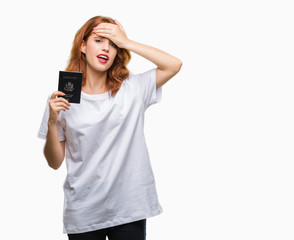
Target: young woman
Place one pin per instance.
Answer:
(109, 188)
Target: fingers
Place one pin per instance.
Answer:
(99, 29)
(105, 26)
(109, 27)
(103, 31)
(58, 103)
(58, 109)
(104, 35)
(57, 93)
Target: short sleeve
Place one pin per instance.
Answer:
(146, 83)
(42, 133)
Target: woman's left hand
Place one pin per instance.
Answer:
(114, 32)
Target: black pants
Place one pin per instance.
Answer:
(129, 231)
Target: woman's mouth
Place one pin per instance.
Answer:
(103, 58)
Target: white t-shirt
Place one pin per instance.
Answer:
(109, 176)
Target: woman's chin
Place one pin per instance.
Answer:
(99, 68)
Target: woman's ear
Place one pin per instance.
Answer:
(83, 47)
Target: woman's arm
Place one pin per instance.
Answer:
(167, 65)
(54, 150)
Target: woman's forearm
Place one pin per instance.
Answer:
(54, 149)
(161, 59)
(167, 65)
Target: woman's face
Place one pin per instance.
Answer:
(100, 52)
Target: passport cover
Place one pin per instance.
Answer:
(70, 83)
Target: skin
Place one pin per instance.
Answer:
(97, 71)
(102, 41)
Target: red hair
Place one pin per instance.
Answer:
(118, 71)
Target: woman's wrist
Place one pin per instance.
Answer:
(127, 44)
(51, 124)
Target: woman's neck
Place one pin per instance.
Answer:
(95, 82)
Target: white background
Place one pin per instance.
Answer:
(221, 141)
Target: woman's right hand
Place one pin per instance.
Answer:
(56, 104)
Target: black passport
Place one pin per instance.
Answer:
(70, 83)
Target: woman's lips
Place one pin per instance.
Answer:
(103, 58)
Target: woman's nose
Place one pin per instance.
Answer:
(106, 45)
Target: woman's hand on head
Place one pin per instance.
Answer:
(114, 32)
(56, 104)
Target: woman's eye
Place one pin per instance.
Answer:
(99, 41)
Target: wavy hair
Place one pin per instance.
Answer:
(118, 71)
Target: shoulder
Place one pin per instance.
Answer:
(131, 81)
(133, 78)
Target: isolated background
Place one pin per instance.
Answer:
(221, 141)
